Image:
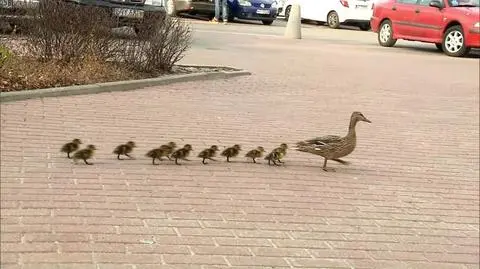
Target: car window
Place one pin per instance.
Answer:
(455, 3)
(410, 2)
(424, 2)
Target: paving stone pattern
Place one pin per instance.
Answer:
(409, 199)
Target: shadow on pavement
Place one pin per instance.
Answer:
(474, 54)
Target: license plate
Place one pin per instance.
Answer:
(6, 3)
(129, 13)
(361, 6)
(263, 11)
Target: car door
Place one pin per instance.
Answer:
(307, 8)
(428, 21)
(402, 17)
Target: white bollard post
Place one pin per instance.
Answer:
(294, 24)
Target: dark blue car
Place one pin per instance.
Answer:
(259, 10)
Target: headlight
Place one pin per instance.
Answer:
(244, 3)
(477, 25)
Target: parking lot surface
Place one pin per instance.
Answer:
(409, 198)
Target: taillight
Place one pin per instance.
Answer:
(344, 3)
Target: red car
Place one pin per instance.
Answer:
(452, 25)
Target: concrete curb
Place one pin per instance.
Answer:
(126, 85)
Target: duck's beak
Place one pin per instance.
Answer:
(367, 120)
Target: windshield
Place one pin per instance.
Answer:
(464, 3)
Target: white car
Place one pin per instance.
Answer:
(333, 12)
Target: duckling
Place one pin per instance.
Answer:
(84, 154)
(208, 153)
(255, 153)
(168, 149)
(71, 147)
(231, 152)
(282, 151)
(124, 149)
(155, 153)
(272, 157)
(182, 153)
(333, 147)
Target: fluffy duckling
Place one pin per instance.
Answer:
(168, 149)
(156, 153)
(71, 147)
(84, 154)
(231, 152)
(281, 151)
(255, 153)
(272, 157)
(124, 149)
(208, 153)
(182, 153)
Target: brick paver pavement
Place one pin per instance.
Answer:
(410, 198)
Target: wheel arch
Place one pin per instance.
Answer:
(330, 11)
(450, 24)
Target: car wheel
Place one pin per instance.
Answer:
(364, 26)
(454, 42)
(170, 8)
(385, 34)
(439, 46)
(332, 20)
(265, 22)
(287, 12)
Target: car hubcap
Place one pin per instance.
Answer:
(385, 33)
(333, 19)
(454, 41)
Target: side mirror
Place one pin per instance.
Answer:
(436, 3)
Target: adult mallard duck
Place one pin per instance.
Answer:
(333, 147)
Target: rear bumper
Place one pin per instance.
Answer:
(472, 39)
(250, 13)
(360, 15)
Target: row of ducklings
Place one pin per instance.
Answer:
(171, 152)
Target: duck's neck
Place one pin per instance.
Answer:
(351, 127)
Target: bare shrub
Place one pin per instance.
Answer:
(67, 44)
(166, 43)
(65, 31)
(25, 73)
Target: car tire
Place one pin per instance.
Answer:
(454, 42)
(364, 26)
(332, 20)
(287, 12)
(267, 22)
(385, 34)
(170, 8)
(439, 46)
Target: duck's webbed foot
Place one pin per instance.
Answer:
(341, 161)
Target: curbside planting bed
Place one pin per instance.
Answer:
(203, 73)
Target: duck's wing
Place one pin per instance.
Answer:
(324, 140)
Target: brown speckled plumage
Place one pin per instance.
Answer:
(124, 149)
(332, 147)
(71, 147)
(182, 153)
(84, 154)
(168, 149)
(255, 153)
(208, 153)
(231, 152)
